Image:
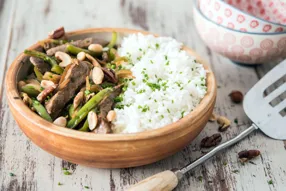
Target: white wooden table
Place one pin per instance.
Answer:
(24, 22)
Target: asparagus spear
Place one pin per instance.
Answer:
(85, 127)
(113, 40)
(38, 73)
(75, 50)
(41, 110)
(55, 67)
(91, 104)
(31, 90)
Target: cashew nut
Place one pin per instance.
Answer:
(93, 60)
(64, 57)
(111, 115)
(95, 48)
(97, 75)
(92, 120)
(80, 56)
(61, 121)
(223, 122)
(212, 117)
(46, 83)
(78, 99)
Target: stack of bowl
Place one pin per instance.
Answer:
(246, 31)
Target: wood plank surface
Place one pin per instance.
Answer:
(24, 22)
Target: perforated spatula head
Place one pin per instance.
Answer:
(271, 119)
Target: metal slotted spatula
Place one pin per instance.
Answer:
(271, 120)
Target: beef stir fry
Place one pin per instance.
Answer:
(75, 84)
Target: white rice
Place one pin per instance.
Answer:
(178, 82)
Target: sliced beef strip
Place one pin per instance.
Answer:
(76, 77)
(107, 103)
(104, 126)
(105, 106)
(109, 75)
(40, 64)
(78, 43)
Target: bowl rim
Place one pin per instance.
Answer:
(196, 7)
(258, 18)
(21, 109)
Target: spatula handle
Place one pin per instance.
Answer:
(166, 180)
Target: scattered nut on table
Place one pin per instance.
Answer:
(248, 154)
(236, 96)
(211, 141)
(223, 122)
(213, 117)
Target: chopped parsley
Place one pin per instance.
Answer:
(86, 187)
(270, 182)
(153, 86)
(87, 92)
(235, 171)
(140, 49)
(124, 87)
(182, 114)
(60, 184)
(162, 116)
(113, 66)
(118, 99)
(42, 88)
(157, 46)
(133, 83)
(167, 63)
(200, 178)
(12, 174)
(235, 121)
(119, 106)
(168, 110)
(67, 172)
(141, 91)
(151, 61)
(144, 108)
(166, 57)
(179, 84)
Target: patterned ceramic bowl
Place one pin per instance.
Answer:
(243, 47)
(225, 14)
(271, 10)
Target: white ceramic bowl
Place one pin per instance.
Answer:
(242, 47)
(226, 14)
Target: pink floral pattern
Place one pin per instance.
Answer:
(282, 43)
(266, 44)
(256, 52)
(272, 10)
(224, 14)
(246, 41)
(229, 38)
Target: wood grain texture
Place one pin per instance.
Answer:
(35, 169)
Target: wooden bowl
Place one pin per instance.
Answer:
(111, 150)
